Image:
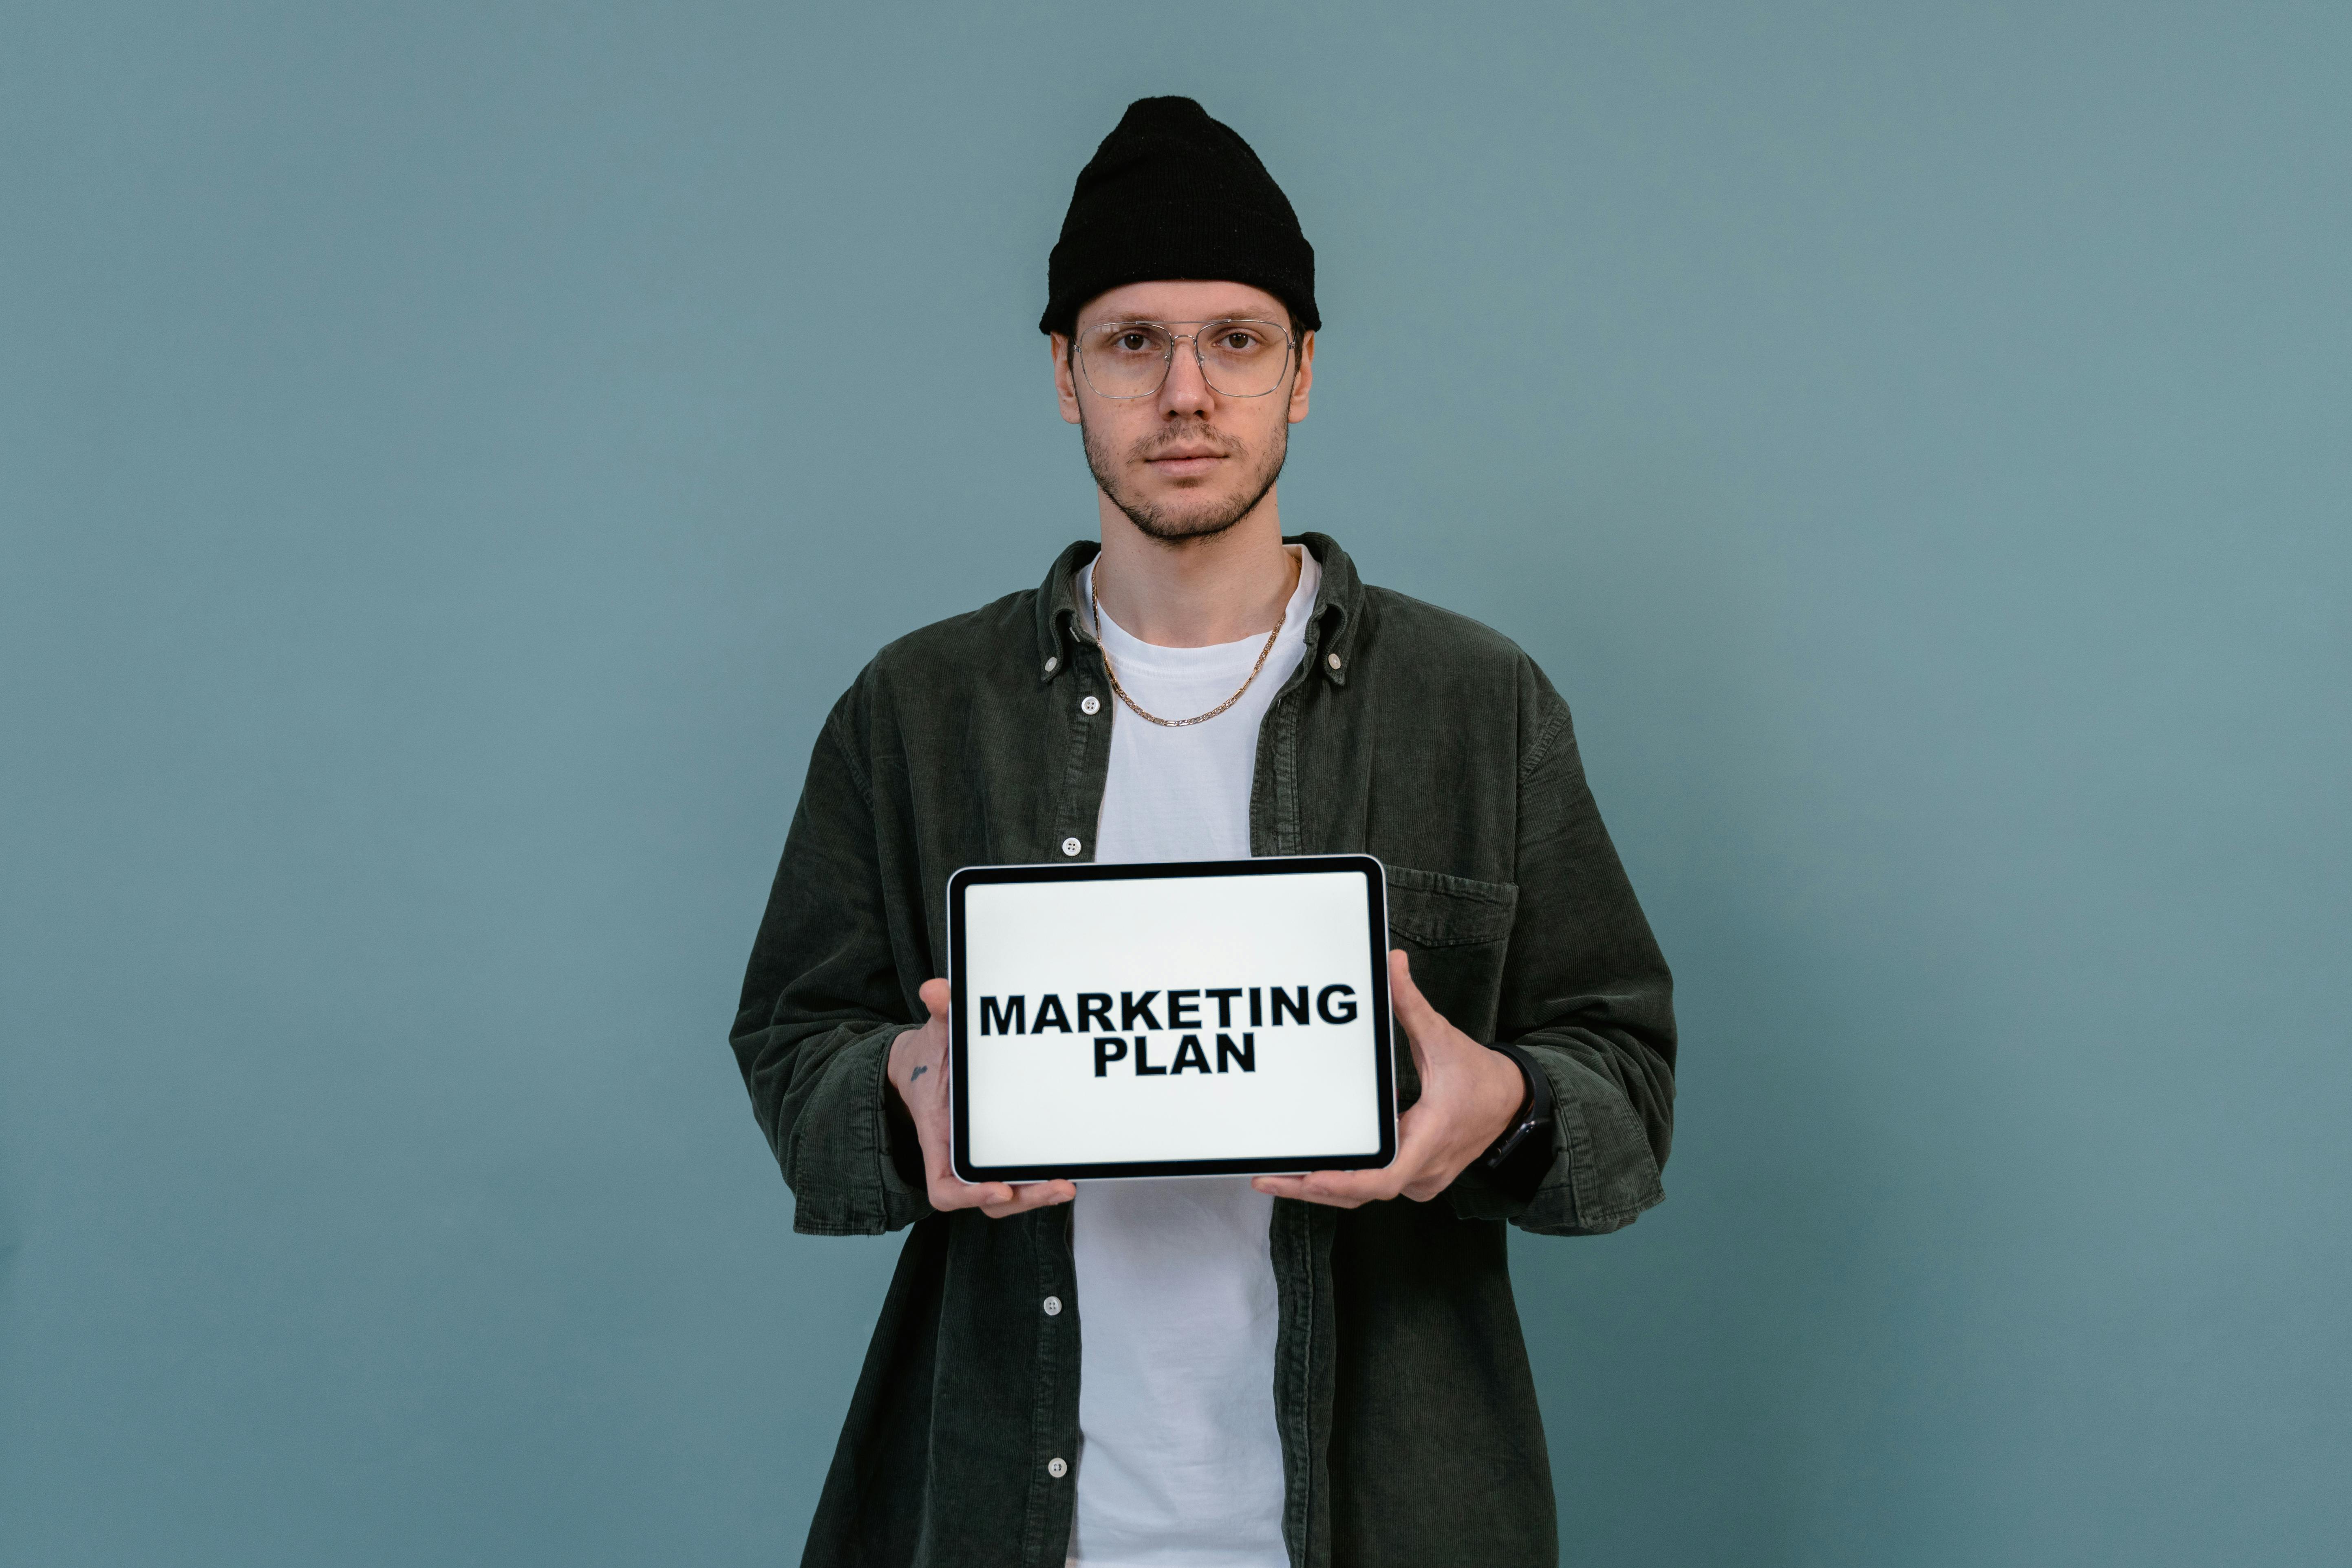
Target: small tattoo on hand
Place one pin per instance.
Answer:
(918, 1072)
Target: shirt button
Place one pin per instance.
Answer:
(1057, 1468)
(1333, 661)
(1071, 846)
(1090, 706)
(1053, 664)
(1052, 1306)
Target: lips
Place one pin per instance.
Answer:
(1181, 466)
(1186, 454)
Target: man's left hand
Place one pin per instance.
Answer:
(1469, 1095)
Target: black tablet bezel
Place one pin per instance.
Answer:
(1376, 906)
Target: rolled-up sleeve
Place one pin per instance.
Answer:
(823, 1000)
(1586, 989)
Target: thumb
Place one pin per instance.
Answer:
(937, 996)
(1414, 1014)
(1413, 1009)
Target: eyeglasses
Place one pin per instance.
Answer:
(1237, 358)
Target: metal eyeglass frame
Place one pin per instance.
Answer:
(1290, 352)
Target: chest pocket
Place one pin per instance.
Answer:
(1457, 932)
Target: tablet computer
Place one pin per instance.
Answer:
(1196, 1018)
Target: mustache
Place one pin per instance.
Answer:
(1190, 432)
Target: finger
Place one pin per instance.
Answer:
(1300, 1188)
(1408, 1174)
(945, 1182)
(937, 996)
(1415, 1135)
(945, 1189)
(949, 1193)
(1413, 1009)
(1345, 1189)
(1032, 1195)
(1427, 1187)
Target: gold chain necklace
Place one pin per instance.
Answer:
(1095, 603)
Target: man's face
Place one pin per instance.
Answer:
(1187, 462)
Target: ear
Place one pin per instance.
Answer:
(1304, 381)
(1066, 384)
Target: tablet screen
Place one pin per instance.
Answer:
(1196, 1018)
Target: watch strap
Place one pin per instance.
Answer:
(1518, 1159)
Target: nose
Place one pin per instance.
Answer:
(1186, 391)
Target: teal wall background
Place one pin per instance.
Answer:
(450, 456)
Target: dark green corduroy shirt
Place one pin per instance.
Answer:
(1410, 1433)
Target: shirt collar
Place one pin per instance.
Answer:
(1330, 629)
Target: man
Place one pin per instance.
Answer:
(1321, 1369)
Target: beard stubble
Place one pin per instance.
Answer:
(1162, 523)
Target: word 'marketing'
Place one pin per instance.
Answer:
(1266, 1006)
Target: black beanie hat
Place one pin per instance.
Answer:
(1174, 194)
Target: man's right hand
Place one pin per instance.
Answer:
(919, 1073)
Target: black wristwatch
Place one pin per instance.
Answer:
(1518, 1159)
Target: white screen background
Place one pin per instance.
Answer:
(1034, 1098)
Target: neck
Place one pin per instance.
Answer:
(1194, 592)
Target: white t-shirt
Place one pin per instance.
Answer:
(1179, 1464)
